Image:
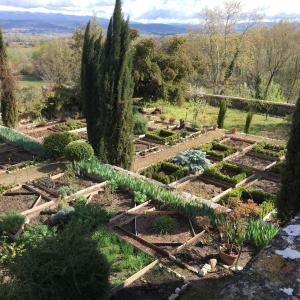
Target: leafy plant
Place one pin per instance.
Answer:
(5, 187)
(62, 216)
(218, 150)
(76, 151)
(183, 133)
(165, 225)
(162, 135)
(139, 198)
(11, 221)
(70, 125)
(260, 233)
(68, 190)
(270, 149)
(112, 185)
(222, 114)
(140, 124)
(194, 160)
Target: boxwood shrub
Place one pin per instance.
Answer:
(165, 172)
(270, 149)
(216, 172)
(11, 221)
(217, 149)
(162, 135)
(77, 151)
(55, 143)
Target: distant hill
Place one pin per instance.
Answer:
(42, 23)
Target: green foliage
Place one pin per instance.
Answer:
(55, 143)
(5, 187)
(279, 167)
(112, 185)
(217, 149)
(183, 133)
(222, 114)
(289, 200)
(270, 149)
(165, 172)
(68, 190)
(70, 125)
(65, 266)
(194, 160)
(248, 121)
(165, 225)
(63, 215)
(22, 141)
(260, 233)
(11, 221)
(76, 151)
(217, 172)
(162, 135)
(140, 124)
(139, 198)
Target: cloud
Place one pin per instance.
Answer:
(149, 11)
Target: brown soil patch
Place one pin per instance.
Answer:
(228, 172)
(201, 188)
(237, 144)
(252, 161)
(145, 229)
(265, 185)
(15, 156)
(118, 201)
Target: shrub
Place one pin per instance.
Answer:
(140, 124)
(194, 160)
(183, 133)
(11, 221)
(260, 233)
(162, 118)
(62, 216)
(68, 190)
(279, 167)
(162, 135)
(56, 142)
(70, 125)
(165, 225)
(172, 120)
(217, 149)
(270, 149)
(248, 121)
(222, 114)
(66, 266)
(77, 151)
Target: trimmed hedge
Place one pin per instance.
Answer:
(270, 149)
(217, 149)
(55, 143)
(165, 172)
(162, 135)
(77, 151)
(216, 172)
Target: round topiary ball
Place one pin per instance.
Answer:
(55, 143)
(77, 151)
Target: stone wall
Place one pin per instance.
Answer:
(274, 273)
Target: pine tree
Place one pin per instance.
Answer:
(288, 203)
(8, 98)
(90, 70)
(116, 120)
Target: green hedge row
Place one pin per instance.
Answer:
(270, 149)
(217, 149)
(162, 135)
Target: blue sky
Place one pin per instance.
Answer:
(163, 11)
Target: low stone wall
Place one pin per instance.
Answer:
(274, 273)
(274, 108)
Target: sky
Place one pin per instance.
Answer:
(154, 11)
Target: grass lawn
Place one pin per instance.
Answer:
(30, 81)
(273, 127)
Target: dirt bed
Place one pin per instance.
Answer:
(118, 201)
(201, 189)
(265, 185)
(145, 230)
(237, 144)
(15, 156)
(156, 284)
(141, 147)
(39, 134)
(17, 202)
(251, 161)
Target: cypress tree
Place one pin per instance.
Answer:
(116, 85)
(90, 70)
(248, 121)
(288, 203)
(8, 97)
(222, 114)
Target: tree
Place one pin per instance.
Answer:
(288, 203)
(222, 114)
(115, 126)
(8, 98)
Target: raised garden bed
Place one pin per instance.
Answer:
(202, 187)
(268, 149)
(165, 172)
(238, 144)
(163, 136)
(229, 173)
(252, 161)
(69, 125)
(278, 168)
(144, 147)
(217, 150)
(159, 125)
(266, 185)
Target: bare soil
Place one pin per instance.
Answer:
(251, 161)
(229, 172)
(145, 229)
(19, 202)
(159, 125)
(156, 284)
(15, 156)
(237, 144)
(39, 134)
(202, 189)
(119, 201)
(266, 185)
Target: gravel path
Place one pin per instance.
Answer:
(168, 152)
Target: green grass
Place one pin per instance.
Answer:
(273, 127)
(30, 81)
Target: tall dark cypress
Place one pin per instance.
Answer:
(90, 71)
(288, 203)
(8, 98)
(116, 146)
